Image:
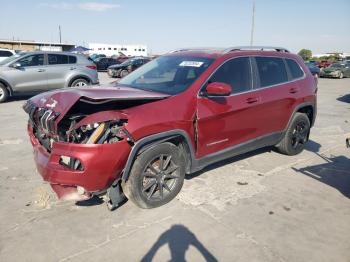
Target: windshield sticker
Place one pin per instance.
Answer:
(191, 63)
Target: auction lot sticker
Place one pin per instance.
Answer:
(191, 63)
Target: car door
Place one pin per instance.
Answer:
(228, 121)
(278, 95)
(28, 74)
(58, 68)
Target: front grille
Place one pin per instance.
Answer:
(45, 119)
(43, 123)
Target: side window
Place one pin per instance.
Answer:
(72, 59)
(235, 72)
(272, 71)
(55, 59)
(294, 69)
(32, 60)
(5, 53)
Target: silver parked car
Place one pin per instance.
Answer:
(41, 71)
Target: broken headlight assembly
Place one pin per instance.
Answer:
(108, 132)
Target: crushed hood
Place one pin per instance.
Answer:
(62, 100)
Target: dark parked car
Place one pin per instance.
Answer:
(103, 63)
(94, 57)
(313, 62)
(127, 67)
(314, 69)
(336, 70)
(174, 116)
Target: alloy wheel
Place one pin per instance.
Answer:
(299, 135)
(80, 84)
(159, 177)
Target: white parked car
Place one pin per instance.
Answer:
(5, 53)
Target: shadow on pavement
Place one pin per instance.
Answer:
(335, 173)
(229, 161)
(20, 97)
(312, 146)
(344, 98)
(94, 201)
(179, 238)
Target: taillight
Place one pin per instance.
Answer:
(92, 67)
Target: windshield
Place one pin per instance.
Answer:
(167, 74)
(11, 58)
(337, 66)
(127, 62)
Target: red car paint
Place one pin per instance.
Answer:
(218, 123)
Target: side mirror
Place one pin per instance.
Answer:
(218, 89)
(16, 65)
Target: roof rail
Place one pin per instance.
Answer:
(261, 48)
(192, 49)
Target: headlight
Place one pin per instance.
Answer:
(100, 133)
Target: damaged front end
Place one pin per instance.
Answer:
(79, 156)
(80, 137)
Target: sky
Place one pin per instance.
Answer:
(164, 25)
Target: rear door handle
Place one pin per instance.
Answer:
(72, 68)
(293, 90)
(41, 70)
(252, 100)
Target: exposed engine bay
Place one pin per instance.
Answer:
(79, 126)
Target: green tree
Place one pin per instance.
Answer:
(305, 54)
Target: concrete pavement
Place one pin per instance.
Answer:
(261, 206)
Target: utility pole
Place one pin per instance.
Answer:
(253, 24)
(59, 32)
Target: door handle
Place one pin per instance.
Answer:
(252, 100)
(72, 68)
(293, 90)
(41, 70)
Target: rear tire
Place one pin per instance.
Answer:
(80, 82)
(4, 93)
(296, 135)
(156, 177)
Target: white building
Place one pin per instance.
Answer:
(113, 49)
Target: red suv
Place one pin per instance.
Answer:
(175, 115)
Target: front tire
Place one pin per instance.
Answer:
(156, 177)
(296, 135)
(80, 82)
(124, 73)
(4, 93)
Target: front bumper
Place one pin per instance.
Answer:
(330, 74)
(113, 72)
(102, 165)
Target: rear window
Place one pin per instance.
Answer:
(272, 71)
(295, 69)
(55, 59)
(72, 59)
